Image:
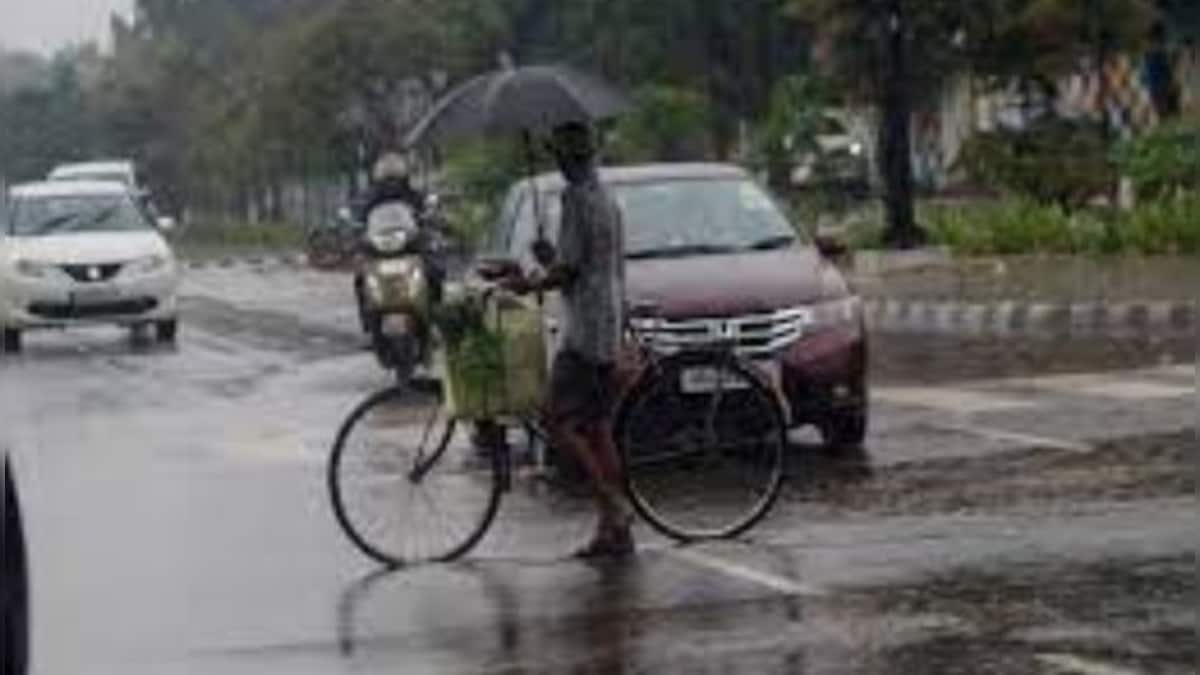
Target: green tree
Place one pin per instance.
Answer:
(888, 53)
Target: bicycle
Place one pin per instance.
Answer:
(697, 420)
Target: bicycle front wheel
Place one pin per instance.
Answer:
(702, 439)
(404, 489)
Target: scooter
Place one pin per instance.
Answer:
(397, 281)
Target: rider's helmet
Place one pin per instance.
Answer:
(390, 166)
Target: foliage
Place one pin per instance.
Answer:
(791, 126)
(851, 33)
(474, 352)
(1021, 226)
(1163, 161)
(1039, 40)
(220, 235)
(1054, 161)
(46, 121)
(666, 124)
(1164, 226)
(480, 173)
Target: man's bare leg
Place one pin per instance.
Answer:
(600, 463)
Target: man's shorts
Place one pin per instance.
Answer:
(581, 390)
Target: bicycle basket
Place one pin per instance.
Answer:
(495, 364)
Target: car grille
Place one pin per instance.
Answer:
(131, 307)
(88, 274)
(755, 335)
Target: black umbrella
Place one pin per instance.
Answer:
(518, 100)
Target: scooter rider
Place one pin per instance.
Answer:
(390, 182)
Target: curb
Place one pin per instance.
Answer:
(1006, 318)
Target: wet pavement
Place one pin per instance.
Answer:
(1008, 516)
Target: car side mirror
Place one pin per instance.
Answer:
(831, 247)
(166, 223)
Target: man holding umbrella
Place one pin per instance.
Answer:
(588, 270)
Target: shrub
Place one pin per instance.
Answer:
(1166, 226)
(1163, 161)
(1012, 227)
(666, 124)
(1054, 161)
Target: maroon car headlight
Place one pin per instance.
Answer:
(841, 313)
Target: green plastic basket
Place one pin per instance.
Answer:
(500, 369)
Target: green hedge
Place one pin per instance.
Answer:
(1165, 160)
(1022, 226)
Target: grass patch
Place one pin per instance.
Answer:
(213, 237)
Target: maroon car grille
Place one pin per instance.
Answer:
(756, 335)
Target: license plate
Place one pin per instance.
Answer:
(95, 295)
(708, 380)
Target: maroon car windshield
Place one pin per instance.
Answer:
(670, 217)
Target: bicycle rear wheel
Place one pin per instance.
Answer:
(404, 489)
(702, 439)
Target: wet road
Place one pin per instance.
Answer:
(1019, 520)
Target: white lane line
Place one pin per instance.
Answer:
(951, 399)
(1010, 436)
(1078, 666)
(735, 570)
(1112, 387)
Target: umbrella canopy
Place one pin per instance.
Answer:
(514, 100)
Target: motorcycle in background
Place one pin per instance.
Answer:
(331, 245)
(399, 276)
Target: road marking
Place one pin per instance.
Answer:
(735, 570)
(948, 398)
(1013, 436)
(1186, 370)
(1112, 387)
(1074, 664)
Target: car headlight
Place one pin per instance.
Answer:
(837, 313)
(34, 269)
(391, 241)
(149, 264)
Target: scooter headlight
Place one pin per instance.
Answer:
(391, 241)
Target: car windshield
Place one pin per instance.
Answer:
(678, 217)
(37, 216)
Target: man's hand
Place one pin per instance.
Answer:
(544, 253)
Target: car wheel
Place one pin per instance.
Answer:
(845, 430)
(167, 331)
(12, 341)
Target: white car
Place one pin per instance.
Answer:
(82, 252)
(121, 171)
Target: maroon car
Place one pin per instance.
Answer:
(718, 258)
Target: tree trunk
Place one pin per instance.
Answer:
(895, 136)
